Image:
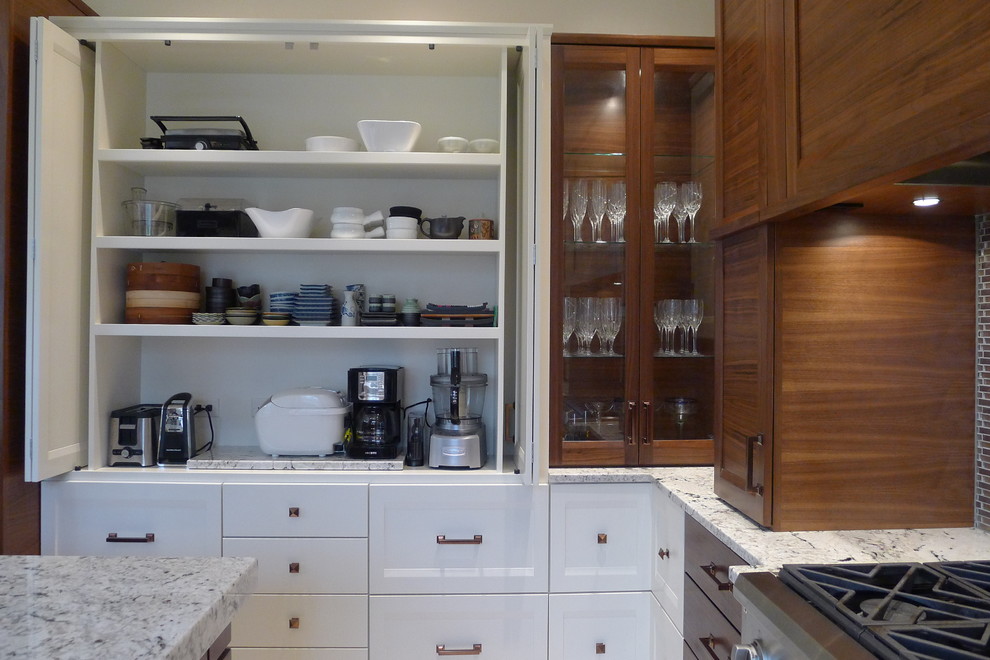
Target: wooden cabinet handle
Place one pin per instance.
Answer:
(709, 645)
(443, 540)
(293, 512)
(712, 571)
(443, 650)
(294, 567)
(599, 648)
(603, 538)
(294, 623)
(752, 442)
(630, 418)
(664, 553)
(647, 425)
(113, 538)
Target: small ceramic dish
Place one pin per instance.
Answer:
(241, 320)
(268, 321)
(330, 143)
(483, 146)
(452, 144)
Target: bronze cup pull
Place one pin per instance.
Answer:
(443, 650)
(443, 540)
(663, 553)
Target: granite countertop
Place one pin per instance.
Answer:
(118, 607)
(252, 458)
(693, 490)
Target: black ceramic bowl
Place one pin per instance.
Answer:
(406, 211)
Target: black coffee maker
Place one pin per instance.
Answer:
(376, 394)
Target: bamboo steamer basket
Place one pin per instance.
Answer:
(161, 292)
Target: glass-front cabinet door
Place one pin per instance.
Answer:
(632, 294)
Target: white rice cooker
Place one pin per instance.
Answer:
(303, 421)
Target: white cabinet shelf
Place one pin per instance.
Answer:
(293, 332)
(327, 246)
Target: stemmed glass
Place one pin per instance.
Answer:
(599, 198)
(616, 210)
(694, 312)
(691, 199)
(680, 216)
(683, 321)
(610, 316)
(587, 324)
(569, 320)
(658, 320)
(664, 200)
(579, 206)
(567, 196)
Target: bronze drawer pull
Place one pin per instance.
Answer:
(603, 538)
(443, 540)
(709, 645)
(664, 553)
(294, 567)
(599, 648)
(474, 650)
(294, 623)
(711, 571)
(293, 512)
(113, 538)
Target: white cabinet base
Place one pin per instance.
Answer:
(298, 654)
(599, 626)
(268, 620)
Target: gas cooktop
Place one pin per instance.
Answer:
(938, 610)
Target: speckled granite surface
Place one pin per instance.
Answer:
(252, 458)
(105, 608)
(693, 490)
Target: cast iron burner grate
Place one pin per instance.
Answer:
(937, 611)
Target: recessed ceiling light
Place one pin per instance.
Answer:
(927, 200)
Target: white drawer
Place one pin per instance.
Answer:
(339, 510)
(297, 654)
(307, 566)
(601, 537)
(271, 621)
(502, 627)
(127, 518)
(668, 556)
(458, 539)
(600, 626)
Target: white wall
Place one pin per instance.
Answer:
(651, 17)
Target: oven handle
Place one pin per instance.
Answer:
(747, 652)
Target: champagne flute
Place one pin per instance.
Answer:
(661, 330)
(599, 198)
(664, 200)
(611, 322)
(691, 199)
(670, 315)
(695, 311)
(587, 324)
(579, 206)
(567, 197)
(680, 217)
(616, 210)
(569, 320)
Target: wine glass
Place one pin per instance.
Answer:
(599, 197)
(567, 197)
(661, 330)
(683, 322)
(670, 315)
(691, 199)
(616, 210)
(680, 217)
(664, 200)
(610, 313)
(587, 324)
(694, 310)
(569, 320)
(579, 206)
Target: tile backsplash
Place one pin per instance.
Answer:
(983, 372)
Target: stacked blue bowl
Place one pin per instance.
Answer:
(315, 305)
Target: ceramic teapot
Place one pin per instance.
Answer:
(442, 227)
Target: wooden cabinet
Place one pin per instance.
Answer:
(820, 99)
(634, 116)
(845, 372)
(712, 617)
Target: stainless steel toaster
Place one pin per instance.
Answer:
(134, 436)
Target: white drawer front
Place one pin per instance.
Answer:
(504, 627)
(458, 539)
(668, 644)
(600, 537)
(668, 556)
(600, 626)
(298, 654)
(305, 566)
(339, 510)
(126, 518)
(302, 621)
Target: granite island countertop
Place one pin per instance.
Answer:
(693, 489)
(83, 608)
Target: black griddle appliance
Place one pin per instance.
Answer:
(202, 137)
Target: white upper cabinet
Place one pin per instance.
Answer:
(289, 81)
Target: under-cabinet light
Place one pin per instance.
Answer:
(927, 200)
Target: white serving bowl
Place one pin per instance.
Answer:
(400, 222)
(291, 223)
(452, 144)
(330, 143)
(401, 233)
(483, 146)
(385, 135)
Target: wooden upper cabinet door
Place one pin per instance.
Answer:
(879, 91)
(743, 372)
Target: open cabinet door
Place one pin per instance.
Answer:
(60, 160)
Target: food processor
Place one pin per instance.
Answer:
(458, 436)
